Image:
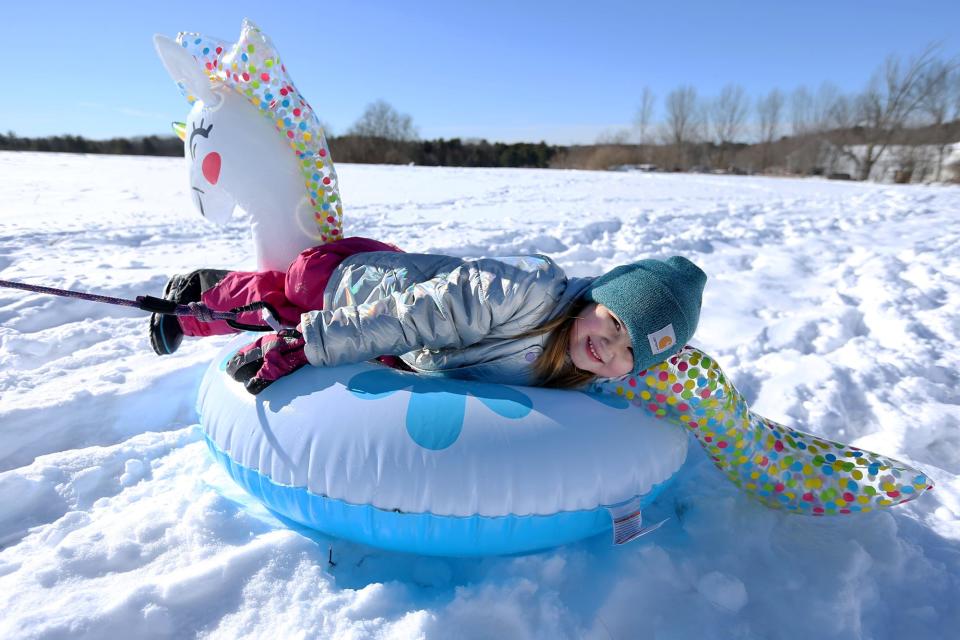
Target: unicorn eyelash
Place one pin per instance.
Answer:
(198, 131)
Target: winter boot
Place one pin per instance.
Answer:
(165, 331)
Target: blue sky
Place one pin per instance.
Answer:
(559, 71)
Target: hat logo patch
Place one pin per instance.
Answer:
(662, 340)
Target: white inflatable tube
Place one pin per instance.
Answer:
(435, 465)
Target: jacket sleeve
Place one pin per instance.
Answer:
(453, 310)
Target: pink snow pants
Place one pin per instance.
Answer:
(297, 291)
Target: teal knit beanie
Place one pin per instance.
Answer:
(657, 300)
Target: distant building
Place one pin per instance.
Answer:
(898, 164)
(633, 167)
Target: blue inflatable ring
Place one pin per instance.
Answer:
(438, 466)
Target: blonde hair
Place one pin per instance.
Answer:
(554, 368)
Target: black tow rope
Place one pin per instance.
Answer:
(167, 307)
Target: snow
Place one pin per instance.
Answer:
(832, 306)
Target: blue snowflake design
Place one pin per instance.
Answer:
(437, 406)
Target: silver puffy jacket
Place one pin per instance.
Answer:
(441, 314)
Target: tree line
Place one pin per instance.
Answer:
(348, 148)
(140, 146)
(905, 105)
(381, 135)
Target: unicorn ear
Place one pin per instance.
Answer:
(185, 71)
(248, 24)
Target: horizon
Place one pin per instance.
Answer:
(518, 73)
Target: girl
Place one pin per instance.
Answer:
(516, 320)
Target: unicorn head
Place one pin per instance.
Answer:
(252, 143)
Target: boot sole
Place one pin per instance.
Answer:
(157, 338)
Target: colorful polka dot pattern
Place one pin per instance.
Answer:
(252, 67)
(782, 467)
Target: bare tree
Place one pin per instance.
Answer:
(841, 112)
(811, 117)
(881, 111)
(825, 108)
(769, 110)
(801, 111)
(682, 120)
(727, 115)
(644, 113)
(729, 112)
(955, 88)
(381, 120)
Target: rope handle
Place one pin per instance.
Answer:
(168, 307)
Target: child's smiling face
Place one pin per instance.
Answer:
(600, 343)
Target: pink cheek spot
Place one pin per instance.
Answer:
(211, 167)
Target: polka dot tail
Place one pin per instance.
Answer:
(782, 467)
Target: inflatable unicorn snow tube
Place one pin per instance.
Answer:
(365, 452)
(441, 466)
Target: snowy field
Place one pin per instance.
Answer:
(832, 306)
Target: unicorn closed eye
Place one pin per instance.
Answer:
(253, 143)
